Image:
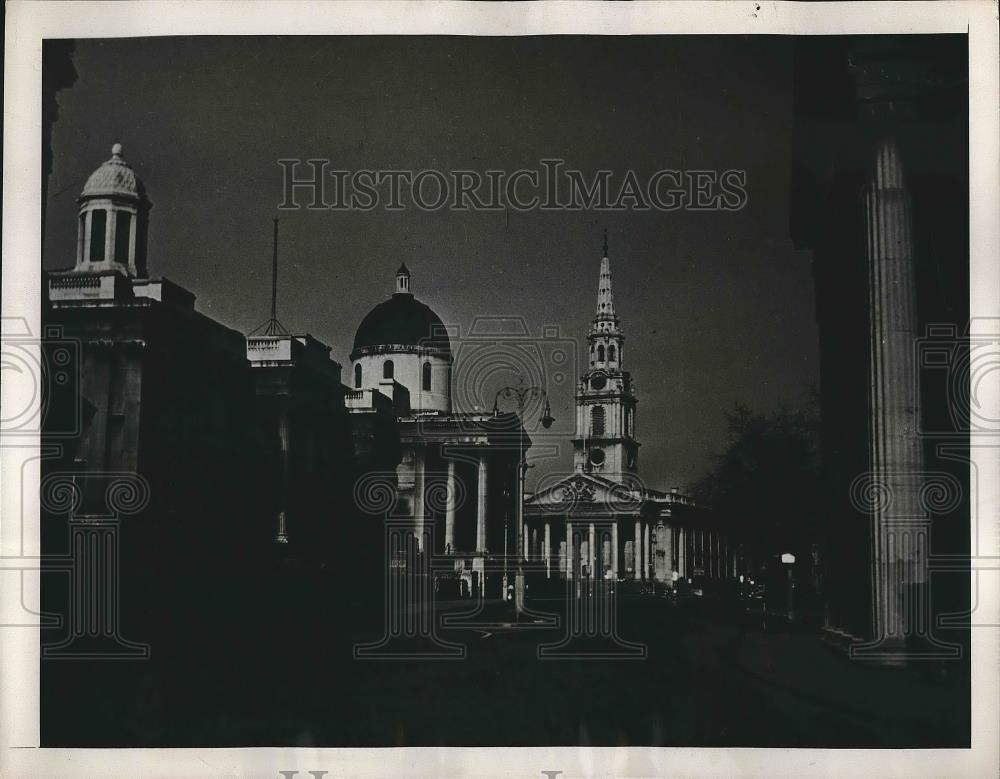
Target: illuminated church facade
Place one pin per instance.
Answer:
(602, 521)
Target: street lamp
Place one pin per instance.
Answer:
(521, 395)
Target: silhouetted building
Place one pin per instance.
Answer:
(195, 483)
(880, 194)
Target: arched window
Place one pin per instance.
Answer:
(357, 376)
(600, 353)
(611, 353)
(597, 421)
(427, 377)
(387, 369)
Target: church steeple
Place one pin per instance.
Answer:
(605, 406)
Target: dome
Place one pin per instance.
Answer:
(115, 178)
(402, 320)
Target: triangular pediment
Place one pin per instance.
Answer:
(585, 488)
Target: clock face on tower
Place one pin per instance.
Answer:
(598, 380)
(597, 456)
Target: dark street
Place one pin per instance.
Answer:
(709, 679)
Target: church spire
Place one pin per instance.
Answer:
(605, 320)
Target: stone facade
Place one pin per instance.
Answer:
(602, 522)
(456, 481)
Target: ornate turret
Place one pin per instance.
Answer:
(113, 219)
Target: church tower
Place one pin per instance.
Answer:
(605, 442)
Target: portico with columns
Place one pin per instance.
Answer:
(457, 476)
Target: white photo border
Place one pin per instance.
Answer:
(28, 23)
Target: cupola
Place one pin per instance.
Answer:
(113, 219)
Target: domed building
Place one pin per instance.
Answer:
(456, 480)
(402, 340)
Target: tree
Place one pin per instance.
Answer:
(765, 486)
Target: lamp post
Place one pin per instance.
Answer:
(788, 560)
(522, 395)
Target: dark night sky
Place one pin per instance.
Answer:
(717, 306)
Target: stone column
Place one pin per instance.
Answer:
(682, 552)
(81, 236)
(614, 549)
(481, 507)
(132, 227)
(449, 517)
(592, 551)
(637, 552)
(109, 234)
(284, 449)
(645, 551)
(899, 575)
(526, 554)
(667, 536)
(547, 549)
(569, 550)
(419, 492)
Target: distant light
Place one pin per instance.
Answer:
(788, 557)
(741, 578)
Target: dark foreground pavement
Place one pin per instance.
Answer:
(706, 680)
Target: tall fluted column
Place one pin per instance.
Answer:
(900, 527)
